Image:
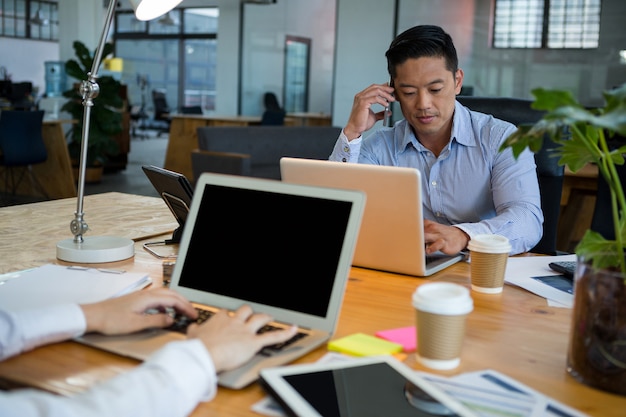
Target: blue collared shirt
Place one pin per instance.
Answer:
(471, 184)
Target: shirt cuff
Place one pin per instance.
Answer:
(188, 363)
(51, 324)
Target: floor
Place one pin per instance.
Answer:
(149, 149)
(143, 151)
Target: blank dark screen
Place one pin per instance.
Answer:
(371, 390)
(271, 248)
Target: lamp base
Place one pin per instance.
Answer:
(96, 249)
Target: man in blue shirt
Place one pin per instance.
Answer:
(469, 186)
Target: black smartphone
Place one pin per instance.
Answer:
(387, 120)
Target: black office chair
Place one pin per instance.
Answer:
(161, 111)
(219, 162)
(549, 172)
(22, 145)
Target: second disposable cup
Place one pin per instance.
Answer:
(488, 257)
(441, 311)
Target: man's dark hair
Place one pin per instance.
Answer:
(421, 41)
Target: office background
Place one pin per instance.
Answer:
(348, 41)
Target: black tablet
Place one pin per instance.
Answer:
(176, 191)
(371, 386)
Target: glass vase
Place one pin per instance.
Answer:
(597, 345)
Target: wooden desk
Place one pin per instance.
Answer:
(184, 137)
(55, 174)
(577, 205)
(309, 119)
(515, 332)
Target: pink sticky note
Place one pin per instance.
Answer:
(405, 336)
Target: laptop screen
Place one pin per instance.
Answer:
(276, 249)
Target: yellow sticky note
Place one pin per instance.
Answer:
(360, 344)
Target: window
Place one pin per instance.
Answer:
(553, 24)
(30, 19)
(176, 53)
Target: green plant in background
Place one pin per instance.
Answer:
(106, 117)
(583, 137)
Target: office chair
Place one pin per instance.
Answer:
(549, 172)
(161, 111)
(220, 162)
(22, 145)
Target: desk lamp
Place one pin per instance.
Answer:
(101, 248)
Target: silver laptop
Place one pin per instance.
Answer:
(284, 249)
(392, 233)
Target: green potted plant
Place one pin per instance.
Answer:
(597, 344)
(105, 119)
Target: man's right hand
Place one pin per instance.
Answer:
(232, 339)
(362, 116)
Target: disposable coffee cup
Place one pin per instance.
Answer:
(488, 257)
(441, 311)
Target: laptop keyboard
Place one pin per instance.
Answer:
(182, 322)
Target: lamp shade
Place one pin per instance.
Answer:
(151, 9)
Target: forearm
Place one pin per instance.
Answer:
(171, 384)
(26, 330)
(521, 224)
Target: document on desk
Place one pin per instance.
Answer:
(532, 273)
(56, 284)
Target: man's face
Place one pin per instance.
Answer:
(426, 91)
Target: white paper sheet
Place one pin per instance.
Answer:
(520, 270)
(56, 284)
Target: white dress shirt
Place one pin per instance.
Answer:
(171, 383)
(471, 184)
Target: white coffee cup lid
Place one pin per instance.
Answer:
(489, 244)
(443, 298)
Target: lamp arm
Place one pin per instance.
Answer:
(89, 90)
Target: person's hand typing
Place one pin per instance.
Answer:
(232, 339)
(137, 311)
(447, 239)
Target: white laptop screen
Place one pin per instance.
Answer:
(270, 248)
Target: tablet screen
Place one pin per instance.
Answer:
(376, 389)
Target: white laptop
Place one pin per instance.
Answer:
(284, 249)
(392, 233)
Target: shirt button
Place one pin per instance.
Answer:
(344, 160)
(434, 183)
(346, 149)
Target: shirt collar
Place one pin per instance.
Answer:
(462, 126)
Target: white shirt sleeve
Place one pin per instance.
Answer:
(169, 384)
(25, 330)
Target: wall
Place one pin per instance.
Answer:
(358, 33)
(363, 36)
(266, 27)
(27, 65)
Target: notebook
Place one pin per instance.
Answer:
(392, 233)
(284, 249)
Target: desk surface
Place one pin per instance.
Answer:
(515, 332)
